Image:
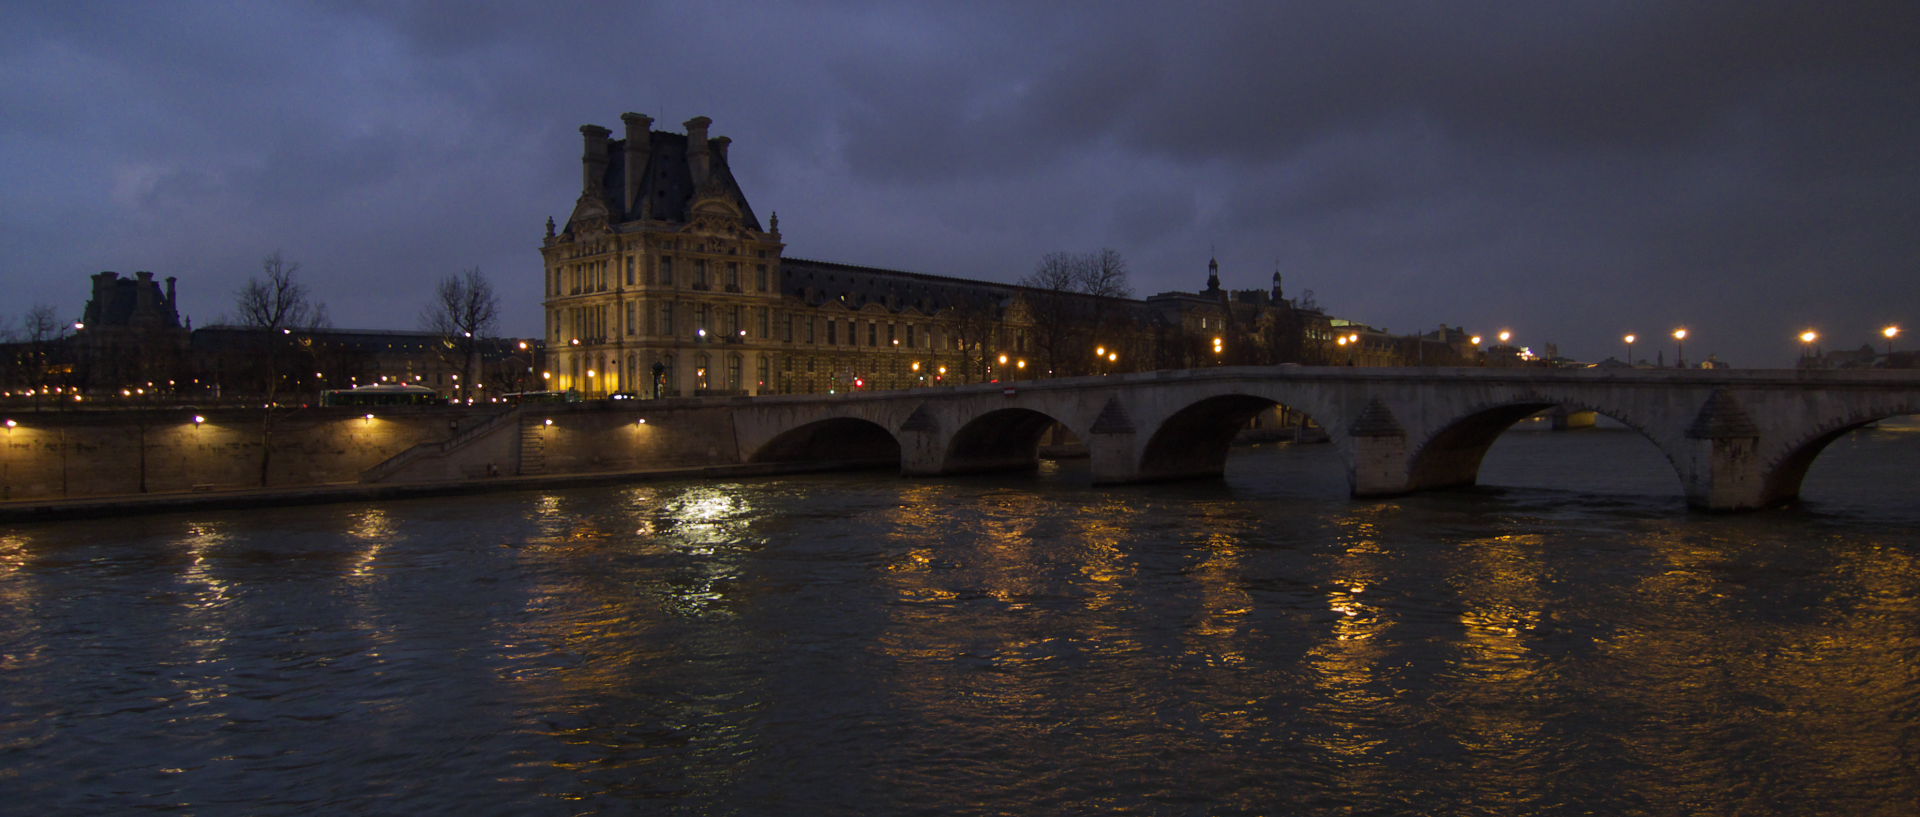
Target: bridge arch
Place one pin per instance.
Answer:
(1451, 457)
(1194, 440)
(1787, 471)
(849, 441)
(1002, 439)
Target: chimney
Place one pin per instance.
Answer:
(697, 158)
(593, 163)
(171, 303)
(720, 144)
(639, 126)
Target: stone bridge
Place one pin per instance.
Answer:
(1738, 439)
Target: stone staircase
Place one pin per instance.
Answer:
(533, 445)
(400, 462)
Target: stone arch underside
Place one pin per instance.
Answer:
(838, 441)
(1451, 457)
(1785, 474)
(999, 440)
(1194, 441)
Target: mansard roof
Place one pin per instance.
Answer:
(818, 282)
(667, 188)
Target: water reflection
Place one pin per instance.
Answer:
(851, 645)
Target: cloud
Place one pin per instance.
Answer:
(1582, 168)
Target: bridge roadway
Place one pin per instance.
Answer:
(1739, 439)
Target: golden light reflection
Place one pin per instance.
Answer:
(1501, 586)
(375, 529)
(1220, 626)
(1347, 666)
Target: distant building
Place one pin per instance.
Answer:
(131, 346)
(129, 337)
(663, 280)
(229, 363)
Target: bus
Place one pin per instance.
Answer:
(391, 395)
(568, 396)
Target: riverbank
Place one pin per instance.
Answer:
(93, 507)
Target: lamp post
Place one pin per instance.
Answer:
(1807, 349)
(1680, 348)
(1891, 332)
(1630, 338)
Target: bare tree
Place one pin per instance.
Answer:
(1074, 299)
(463, 310)
(42, 333)
(275, 306)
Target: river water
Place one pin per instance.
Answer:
(1575, 642)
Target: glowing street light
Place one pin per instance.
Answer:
(1807, 339)
(1891, 332)
(1630, 338)
(1475, 340)
(1680, 348)
(1505, 335)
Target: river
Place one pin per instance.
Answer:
(1568, 640)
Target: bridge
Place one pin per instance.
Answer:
(1738, 439)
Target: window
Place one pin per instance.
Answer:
(666, 319)
(700, 273)
(733, 275)
(813, 325)
(764, 366)
(629, 271)
(765, 330)
(760, 271)
(910, 336)
(873, 334)
(699, 319)
(890, 336)
(833, 332)
(630, 326)
(733, 371)
(666, 270)
(788, 332)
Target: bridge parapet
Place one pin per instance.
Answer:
(1737, 439)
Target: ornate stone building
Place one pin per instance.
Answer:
(664, 281)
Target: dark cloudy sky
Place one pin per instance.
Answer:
(1572, 171)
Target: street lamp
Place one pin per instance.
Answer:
(1505, 335)
(1807, 339)
(1890, 332)
(1630, 338)
(1680, 348)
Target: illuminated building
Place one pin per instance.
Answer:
(663, 280)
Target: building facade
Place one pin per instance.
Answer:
(664, 282)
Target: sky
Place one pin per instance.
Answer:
(1569, 171)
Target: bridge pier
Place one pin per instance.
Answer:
(922, 453)
(1380, 466)
(1723, 471)
(1725, 475)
